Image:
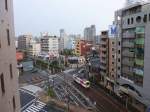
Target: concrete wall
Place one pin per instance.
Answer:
(7, 57)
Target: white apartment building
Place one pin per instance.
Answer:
(34, 48)
(49, 45)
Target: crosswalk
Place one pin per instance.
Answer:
(36, 108)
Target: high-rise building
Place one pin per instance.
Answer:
(111, 77)
(104, 57)
(24, 42)
(133, 24)
(49, 46)
(90, 33)
(9, 94)
(62, 39)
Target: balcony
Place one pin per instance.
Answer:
(140, 30)
(103, 55)
(127, 62)
(128, 53)
(127, 71)
(103, 48)
(128, 35)
(128, 44)
(103, 67)
(102, 73)
(103, 42)
(139, 62)
(103, 61)
(139, 41)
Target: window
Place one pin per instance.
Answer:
(132, 20)
(6, 5)
(118, 68)
(113, 43)
(119, 43)
(128, 21)
(145, 18)
(112, 69)
(113, 56)
(113, 63)
(138, 19)
(2, 83)
(11, 72)
(118, 60)
(8, 36)
(118, 51)
(149, 17)
(14, 103)
(112, 49)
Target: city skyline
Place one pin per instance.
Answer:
(54, 15)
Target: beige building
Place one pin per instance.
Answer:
(34, 48)
(9, 95)
(104, 57)
(111, 77)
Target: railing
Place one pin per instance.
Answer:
(103, 67)
(139, 62)
(128, 44)
(126, 71)
(102, 73)
(128, 35)
(128, 54)
(127, 62)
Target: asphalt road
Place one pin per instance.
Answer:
(25, 98)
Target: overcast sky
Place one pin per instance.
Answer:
(35, 16)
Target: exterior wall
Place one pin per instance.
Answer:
(143, 88)
(10, 84)
(85, 47)
(90, 33)
(34, 48)
(112, 60)
(77, 47)
(24, 42)
(104, 44)
(49, 45)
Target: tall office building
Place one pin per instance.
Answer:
(9, 95)
(90, 33)
(133, 23)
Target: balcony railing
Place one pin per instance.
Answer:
(103, 61)
(102, 73)
(103, 42)
(128, 53)
(127, 71)
(103, 48)
(127, 62)
(128, 44)
(139, 41)
(128, 35)
(103, 67)
(139, 62)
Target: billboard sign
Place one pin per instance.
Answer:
(112, 31)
